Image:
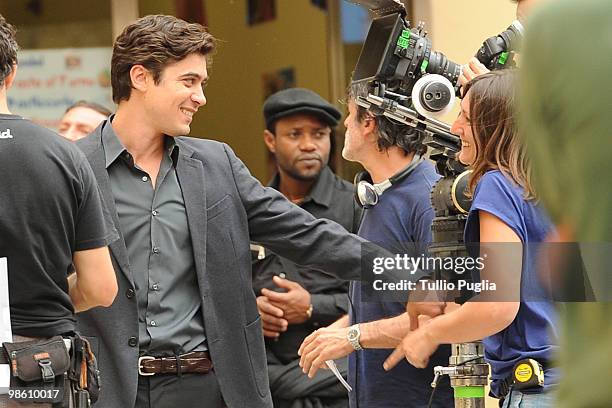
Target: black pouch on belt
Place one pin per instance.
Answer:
(39, 365)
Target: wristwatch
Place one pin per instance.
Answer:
(353, 336)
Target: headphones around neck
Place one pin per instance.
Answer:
(367, 194)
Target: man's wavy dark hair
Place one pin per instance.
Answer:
(154, 42)
(390, 132)
(8, 49)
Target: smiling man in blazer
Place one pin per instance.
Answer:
(184, 330)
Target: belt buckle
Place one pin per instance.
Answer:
(140, 361)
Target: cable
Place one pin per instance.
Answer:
(468, 361)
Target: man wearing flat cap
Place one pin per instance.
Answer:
(292, 300)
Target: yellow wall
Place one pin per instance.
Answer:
(146, 7)
(296, 38)
(458, 28)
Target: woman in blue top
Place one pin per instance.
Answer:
(506, 219)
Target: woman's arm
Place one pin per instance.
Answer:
(475, 319)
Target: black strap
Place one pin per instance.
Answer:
(504, 388)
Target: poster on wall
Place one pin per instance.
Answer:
(48, 81)
(322, 4)
(192, 11)
(277, 81)
(260, 11)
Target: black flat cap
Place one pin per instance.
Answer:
(299, 100)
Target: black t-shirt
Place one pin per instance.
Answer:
(50, 207)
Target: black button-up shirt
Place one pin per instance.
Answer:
(331, 198)
(154, 225)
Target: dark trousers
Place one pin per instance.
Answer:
(291, 388)
(185, 391)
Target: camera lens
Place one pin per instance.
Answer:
(439, 64)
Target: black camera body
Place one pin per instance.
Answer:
(396, 60)
(398, 55)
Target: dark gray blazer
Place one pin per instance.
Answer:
(227, 208)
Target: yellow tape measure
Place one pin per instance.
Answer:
(527, 373)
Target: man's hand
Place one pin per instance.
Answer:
(271, 318)
(425, 302)
(322, 345)
(294, 303)
(416, 347)
(471, 70)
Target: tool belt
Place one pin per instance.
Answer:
(54, 369)
(194, 362)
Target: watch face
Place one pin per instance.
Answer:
(352, 334)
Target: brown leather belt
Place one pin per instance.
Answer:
(194, 362)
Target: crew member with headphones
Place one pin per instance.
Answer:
(367, 193)
(395, 193)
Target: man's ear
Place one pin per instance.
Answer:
(141, 77)
(10, 78)
(270, 141)
(369, 125)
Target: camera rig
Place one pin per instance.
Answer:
(400, 63)
(410, 83)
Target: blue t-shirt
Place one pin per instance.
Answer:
(401, 219)
(533, 332)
